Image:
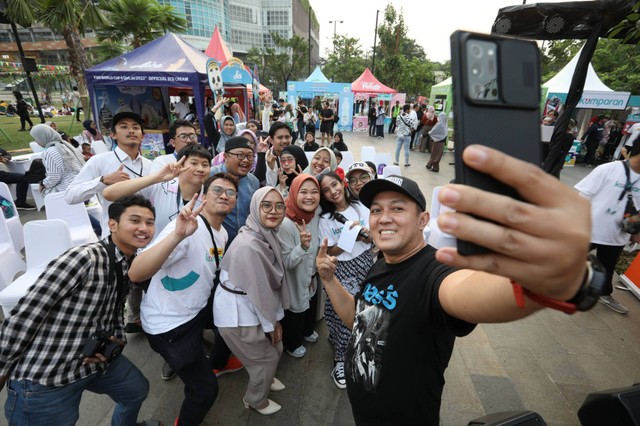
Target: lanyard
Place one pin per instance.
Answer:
(216, 277)
(128, 168)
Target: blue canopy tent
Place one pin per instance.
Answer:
(140, 80)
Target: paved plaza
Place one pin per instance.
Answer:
(546, 363)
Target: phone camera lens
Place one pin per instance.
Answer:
(476, 70)
(476, 50)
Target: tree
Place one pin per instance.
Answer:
(556, 54)
(286, 62)
(416, 78)
(137, 22)
(346, 61)
(618, 65)
(70, 18)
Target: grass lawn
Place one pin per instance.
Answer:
(20, 140)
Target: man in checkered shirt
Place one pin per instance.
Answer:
(80, 293)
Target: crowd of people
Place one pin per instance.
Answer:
(248, 238)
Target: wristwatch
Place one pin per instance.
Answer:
(592, 287)
(586, 297)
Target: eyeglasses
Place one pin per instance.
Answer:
(241, 156)
(364, 178)
(187, 136)
(218, 190)
(267, 207)
(287, 158)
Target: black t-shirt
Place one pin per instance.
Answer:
(401, 343)
(311, 148)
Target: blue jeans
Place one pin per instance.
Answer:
(29, 403)
(403, 140)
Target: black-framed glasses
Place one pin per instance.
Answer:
(187, 136)
(241, 156)
(218, 190)
(364, 178)
(266, 207)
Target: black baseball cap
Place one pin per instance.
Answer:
(237, 142)
(392, 183)
(126, 114)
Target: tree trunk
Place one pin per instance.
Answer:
(78, 63)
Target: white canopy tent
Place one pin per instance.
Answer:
(561, 82)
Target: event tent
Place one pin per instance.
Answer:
(317, 76)
(217, 48)
(367, 83)
(140, 80)
(441, 96)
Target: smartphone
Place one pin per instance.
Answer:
(496, 102)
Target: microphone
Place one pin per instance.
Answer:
(340, 218)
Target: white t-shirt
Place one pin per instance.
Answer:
(167, 200)
(161, 161)
(331, 229)
(181, 288)
(181, 109)
(603, 187)
(634, 132)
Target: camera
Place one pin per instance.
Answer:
(101, 343)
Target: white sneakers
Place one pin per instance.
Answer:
(311, 338)
(299, 352)
(271, 408)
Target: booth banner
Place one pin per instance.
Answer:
(152, 145)
(151, 103)
(589, 100)
(214, 77)
(360, 124)
(234, 72)
(572, 155)
(345, 110)
(130, 79)
(340, 92)
(399, 97)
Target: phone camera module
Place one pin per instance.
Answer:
(476, 50)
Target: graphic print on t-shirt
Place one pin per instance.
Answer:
(369, 336)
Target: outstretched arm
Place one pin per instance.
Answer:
(131, 186)
(541, 243)
(342, 301)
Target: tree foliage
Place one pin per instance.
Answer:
(137, 22)
(288, 61)
(346, 61)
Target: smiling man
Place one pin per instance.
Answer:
(413, 303)
(79, 294)
(170, 188)
(181, 134)
(182, 264)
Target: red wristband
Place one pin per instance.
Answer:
(520, 292)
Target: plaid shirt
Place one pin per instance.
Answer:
(72, 299)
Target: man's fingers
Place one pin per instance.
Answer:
(180, 162)
(121, 168)
(528, 179)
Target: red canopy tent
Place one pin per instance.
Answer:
(367, 83)
(217, 48)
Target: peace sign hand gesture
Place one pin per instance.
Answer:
(305, 236)
(187, 220)
(171, 171)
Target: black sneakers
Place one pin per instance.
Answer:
(25, 206)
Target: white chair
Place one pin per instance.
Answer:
(383, 158)
(10, 260)
(75, 215)
(56, 233)
(438, 238)
(98, 147)
(391, 170)
(347, 160)
(37, 195)
(35, 147)
(368, 153)
(13, 223)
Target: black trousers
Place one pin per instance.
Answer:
(392, 125)
(183, 351)
(296, 325)
(78, 109)
(24, 118)
(608, 257)
(22, 186)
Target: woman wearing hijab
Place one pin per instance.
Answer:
(90, 132)
(250, 300)
(439, 134)
(227, 131)
(237, 114)
(429, 120)
(299, 240)
(61, 160)
(292, 162)
(322, 159)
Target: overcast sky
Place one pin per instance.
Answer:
(430, 23)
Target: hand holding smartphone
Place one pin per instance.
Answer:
(496, 102)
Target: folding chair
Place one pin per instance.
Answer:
(75, 215)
